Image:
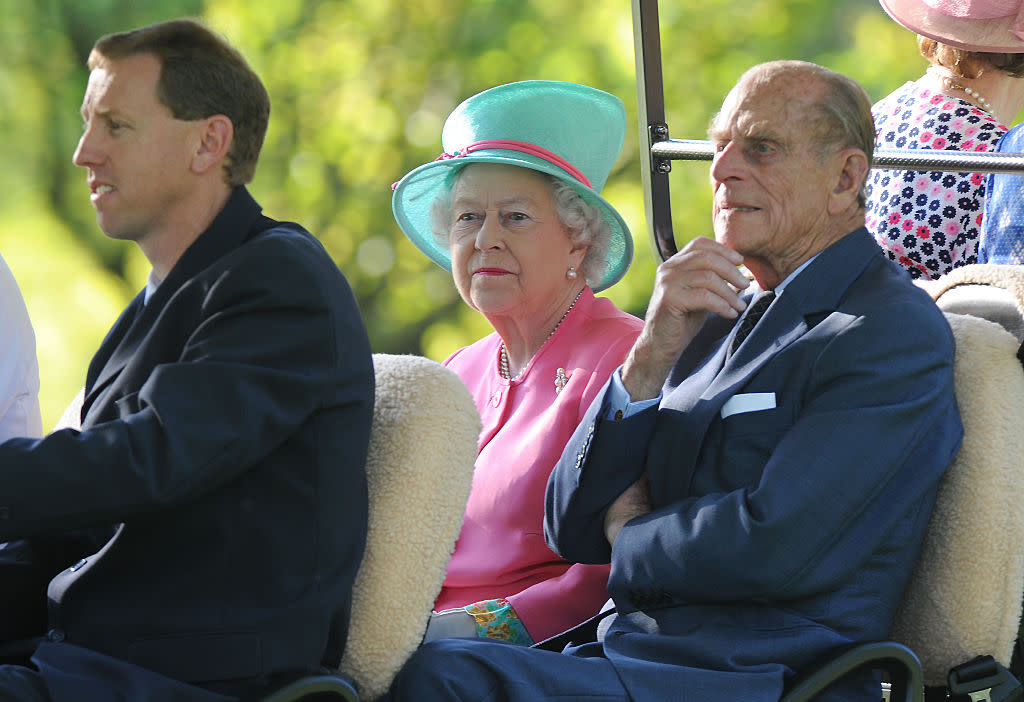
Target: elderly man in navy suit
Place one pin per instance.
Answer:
(761, 469)
(198, 538)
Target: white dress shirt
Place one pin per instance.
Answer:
(19, 369)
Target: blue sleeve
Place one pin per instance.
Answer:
(602, 458)
(1002, 225)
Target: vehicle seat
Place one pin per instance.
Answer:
(423, 447)
(993, 292)
(965, 592)
(964, 597)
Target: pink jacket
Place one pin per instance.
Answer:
(526, 424)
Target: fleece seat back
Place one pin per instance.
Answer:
(419, 470)
(965, 593)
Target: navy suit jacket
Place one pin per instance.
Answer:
(224, 435)
(781, 533)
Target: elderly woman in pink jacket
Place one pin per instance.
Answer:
(513, 209)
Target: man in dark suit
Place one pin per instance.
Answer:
(203, 528)
(759, 476)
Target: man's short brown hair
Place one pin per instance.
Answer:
(200, 75)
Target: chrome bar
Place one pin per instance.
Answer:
(909, 159)
(683, 150)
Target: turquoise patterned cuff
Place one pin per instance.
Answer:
(496, 619)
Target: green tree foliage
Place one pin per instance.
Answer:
(360, 90)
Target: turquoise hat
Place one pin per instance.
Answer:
(567, 130)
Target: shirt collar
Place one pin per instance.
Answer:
(152, 283)
(789, 278)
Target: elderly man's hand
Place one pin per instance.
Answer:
(635, 501)
(701, 278)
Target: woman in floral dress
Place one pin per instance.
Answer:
(930, 222)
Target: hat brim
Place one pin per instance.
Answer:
(416, 193)
(984, 35)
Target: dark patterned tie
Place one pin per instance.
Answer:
(752, 315)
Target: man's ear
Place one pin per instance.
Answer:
(852, 169)
(215, 134)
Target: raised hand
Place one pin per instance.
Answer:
(700, 279)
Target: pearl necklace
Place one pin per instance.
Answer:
(503, 365)
(949, 84)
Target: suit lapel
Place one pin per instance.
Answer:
(113, 353)
(239, 220)
(783, 324)
(809, 298)
(701, 396)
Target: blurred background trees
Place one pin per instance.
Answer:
(360, 89)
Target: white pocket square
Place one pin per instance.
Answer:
(748, 402)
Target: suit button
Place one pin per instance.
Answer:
(55, 635)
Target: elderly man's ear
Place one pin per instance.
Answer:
(852, 169)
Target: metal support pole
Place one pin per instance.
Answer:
(653, 130)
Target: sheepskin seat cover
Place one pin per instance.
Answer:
(987, 286)
(423, 446)
(1009, 278)
(964, 594)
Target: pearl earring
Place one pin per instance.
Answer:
(571, 274)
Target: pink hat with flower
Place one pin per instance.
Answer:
(992, 26)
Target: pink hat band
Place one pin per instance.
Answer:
(521, 146)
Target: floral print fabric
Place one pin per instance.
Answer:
(929, 223)
(497, 619)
